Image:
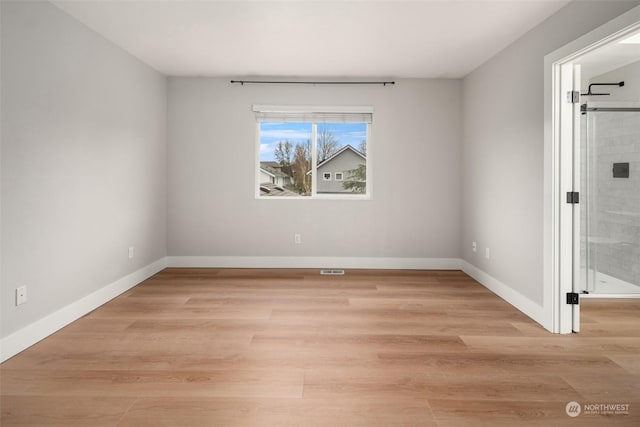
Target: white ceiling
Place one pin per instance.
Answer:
(445, 38)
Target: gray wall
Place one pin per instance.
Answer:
(502, 162)
(83, 162)
(415, 155)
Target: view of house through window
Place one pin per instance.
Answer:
(308, 158)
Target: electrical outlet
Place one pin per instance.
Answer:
(21, 295)
(474, 247)
(297, 238)
(487, 253)
(130, 252)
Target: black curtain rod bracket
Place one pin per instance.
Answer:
(242, 82)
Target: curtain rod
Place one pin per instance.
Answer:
(242, 82)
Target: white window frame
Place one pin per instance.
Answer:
(335, 175)
(324, 176)
(313, 112)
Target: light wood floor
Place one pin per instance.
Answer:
(196, 347)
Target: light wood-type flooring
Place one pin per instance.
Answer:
(209, 347)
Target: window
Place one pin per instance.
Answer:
(300, 148)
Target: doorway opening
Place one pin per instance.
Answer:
(594, 175)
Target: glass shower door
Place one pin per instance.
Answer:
(610, 210)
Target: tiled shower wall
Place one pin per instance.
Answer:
(612, 206)
(614, 203)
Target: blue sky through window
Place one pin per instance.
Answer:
(271, 133)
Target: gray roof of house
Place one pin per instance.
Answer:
(337, 153)
(340, 151)
(274, 170)
(272, 190)
(274, 165)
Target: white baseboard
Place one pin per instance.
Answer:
(29, 335)
(516, 299)
(314, 262)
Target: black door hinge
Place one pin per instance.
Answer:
(573, 97)
(573, 298)
(573, 197)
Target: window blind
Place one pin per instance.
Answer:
(315, 114)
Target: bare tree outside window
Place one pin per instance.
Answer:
(283, 154)
(302, 165)
(328, 144)
(362, 147)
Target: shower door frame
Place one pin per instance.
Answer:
(591, 271)
(561, 258)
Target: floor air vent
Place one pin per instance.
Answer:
(332, 272)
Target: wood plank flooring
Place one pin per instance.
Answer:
(209, 347)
